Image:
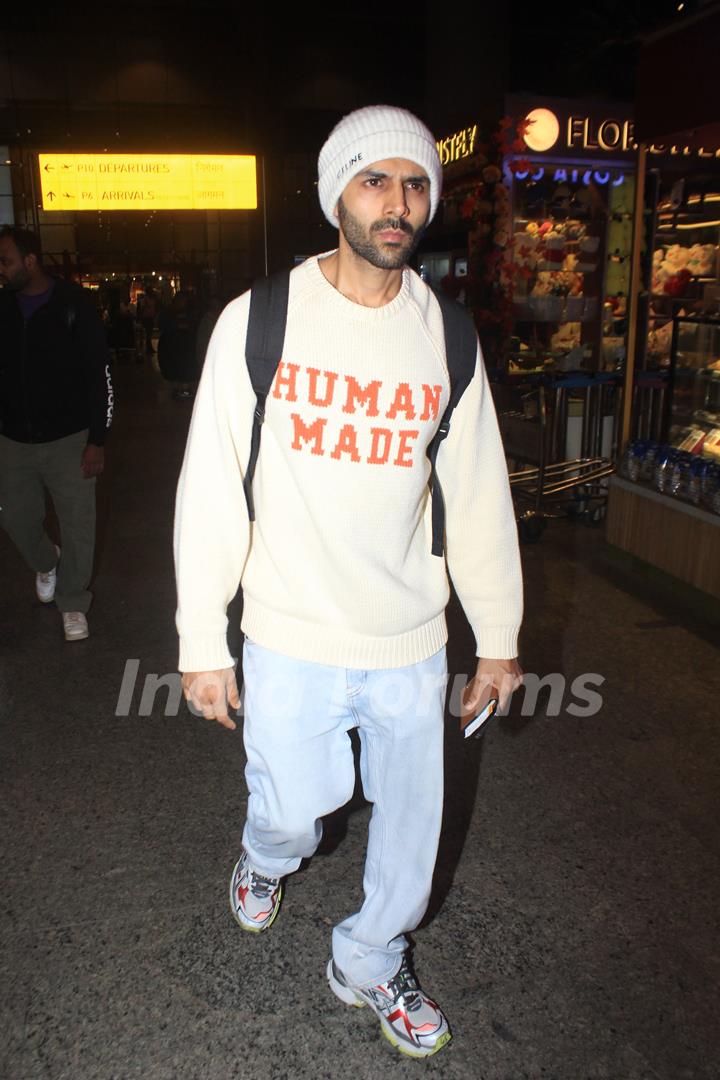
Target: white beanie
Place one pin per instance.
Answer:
(373, 134)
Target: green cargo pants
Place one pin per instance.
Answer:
(26, 469)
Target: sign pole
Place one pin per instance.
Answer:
(634, 297)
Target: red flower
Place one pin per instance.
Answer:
(467, 207)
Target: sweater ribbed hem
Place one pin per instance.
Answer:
(497, 642)
(207, 652)
(337, 647)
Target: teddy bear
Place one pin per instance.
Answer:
(701, 258)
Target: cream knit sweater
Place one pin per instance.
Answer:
(337, 566)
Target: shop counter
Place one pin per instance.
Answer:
(674, 536)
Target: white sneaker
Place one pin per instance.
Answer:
(45, 583)
(254, 898)
(75, 625)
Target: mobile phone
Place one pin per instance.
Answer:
(477, 723)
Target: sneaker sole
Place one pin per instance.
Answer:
(349, 997)
(249, 927)
(45, 599)
(78, 637)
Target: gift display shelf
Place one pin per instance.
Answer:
(545, 310)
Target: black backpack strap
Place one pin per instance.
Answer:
(461, 352)
(263, 351)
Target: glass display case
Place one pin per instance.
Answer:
(693, 404)
(685, 268)
(572, 225)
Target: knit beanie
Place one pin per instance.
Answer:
(373, 134)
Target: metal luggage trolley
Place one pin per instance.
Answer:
(534, 413)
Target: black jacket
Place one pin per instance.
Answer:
(54, 368)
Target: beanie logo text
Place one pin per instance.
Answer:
(349, 164)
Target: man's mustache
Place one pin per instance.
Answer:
(393, 223)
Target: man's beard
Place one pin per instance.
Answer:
(361, 241)
(17, 282)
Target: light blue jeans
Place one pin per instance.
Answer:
(300, 767)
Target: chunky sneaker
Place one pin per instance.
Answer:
(409, 1019)
(75, 626)
(45, 583)
(254, 898)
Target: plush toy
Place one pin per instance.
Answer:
(676, 258)
(554, 249)
(659, 276)
(677, 284)
(543, 284)
(574, 230)
(701, 260)
(667, 265)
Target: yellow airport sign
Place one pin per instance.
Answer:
(148, 181)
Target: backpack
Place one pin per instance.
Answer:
(263, 351)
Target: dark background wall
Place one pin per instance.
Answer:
(179, 75)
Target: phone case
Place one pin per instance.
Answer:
(475, 725)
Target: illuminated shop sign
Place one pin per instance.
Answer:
(148, 181)
(607, 135)
(683, 151)
(574, 176)
(545, 131)
(457, 146)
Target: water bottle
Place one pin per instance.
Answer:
(647, 463)
(637, 450)
(663, 467)
(624, 466)
(697, 480)
(680, 474)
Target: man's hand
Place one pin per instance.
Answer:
(92, 462)
(493, 678)
(210, 692)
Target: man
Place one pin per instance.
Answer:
(56, 406)
(148, 314)
(343, 600)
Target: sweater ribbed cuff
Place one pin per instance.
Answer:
(204, 653)
(497, 642)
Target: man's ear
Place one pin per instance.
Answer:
(335, 212)
(31, 262)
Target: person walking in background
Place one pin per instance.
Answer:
(122, 333)
(177, 358)
(56, 407)
(147, 316)
(343, 598)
